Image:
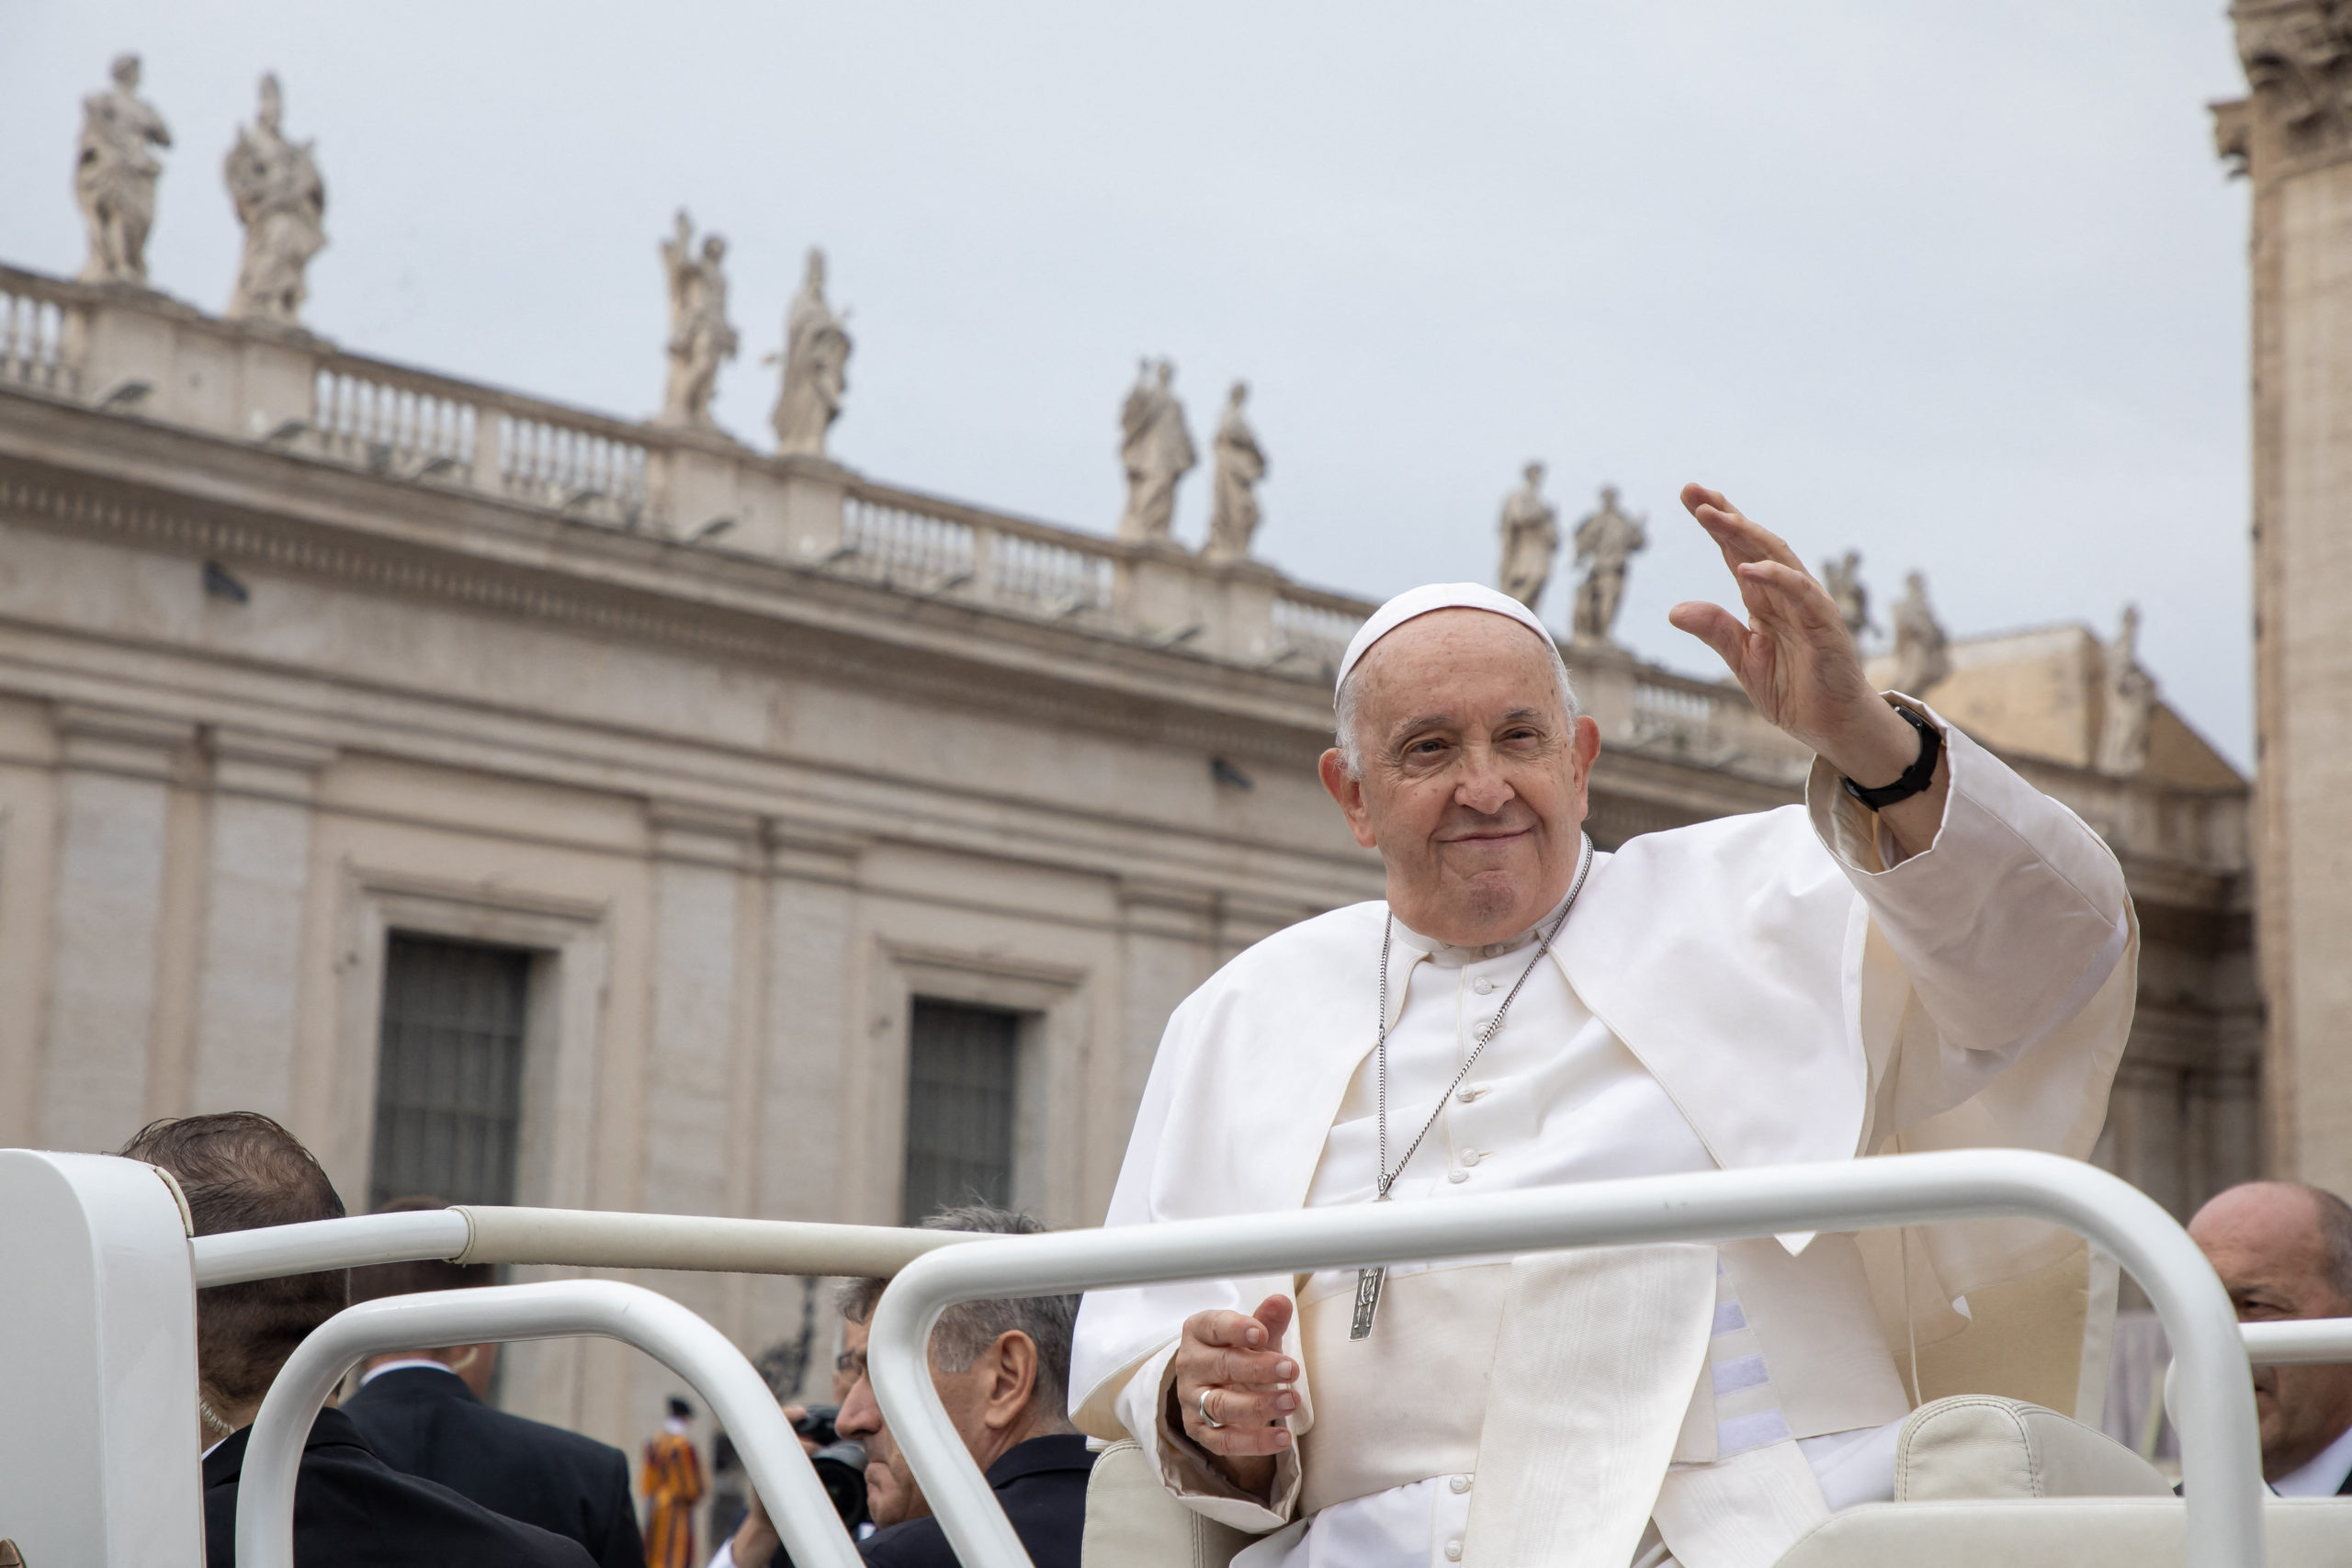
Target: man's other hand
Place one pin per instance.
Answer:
(1235, 1366)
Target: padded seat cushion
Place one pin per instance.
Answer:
(1132, 1522)
(1980, 1445)
(2059, 1532)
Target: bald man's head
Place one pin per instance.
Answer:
(2284, 1250)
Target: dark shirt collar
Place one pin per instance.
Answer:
(1062, 1450)
(437, 1380)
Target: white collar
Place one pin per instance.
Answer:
(372, 1373)
(2324, 1475)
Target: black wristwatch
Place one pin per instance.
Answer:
(1915, 778)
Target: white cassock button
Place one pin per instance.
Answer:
(1457, 1175)
(1482, 985)
(1453, 1551)
(1460, 1483)
(1471, 1093)
(1471, 1157)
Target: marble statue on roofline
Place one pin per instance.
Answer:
(1240, 464)
(1157, 451)
(1842, 576)
(1531, 530)
(115, 174)
(2130, 702)
(816, 367)
(1606, 543)
(700, 336)
(1922, 651)
(275, 186)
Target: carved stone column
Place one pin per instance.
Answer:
(2292, 136)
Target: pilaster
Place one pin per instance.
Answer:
(2294, 138)
(809, 1131)
(249, 998)
(116, 774)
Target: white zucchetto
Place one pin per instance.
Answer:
(1421, 601)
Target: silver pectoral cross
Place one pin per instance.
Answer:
(1368, 1283)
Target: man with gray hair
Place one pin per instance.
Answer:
(2284, 1250)
(1002, 1370)
(1927, 953)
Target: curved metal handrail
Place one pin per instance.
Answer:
(736, 1395)
(2220, 1449)
(2299, 1342)
(588, 1238)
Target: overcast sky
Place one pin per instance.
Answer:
(1958, 284)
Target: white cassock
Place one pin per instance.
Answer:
(1751, 991)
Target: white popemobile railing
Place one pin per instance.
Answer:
(2219, 1440)
(2220, 1449)
(735, 1394)
(2302, 1341)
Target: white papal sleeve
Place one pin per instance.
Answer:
(2007, 927)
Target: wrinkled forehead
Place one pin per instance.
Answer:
(1494, 656)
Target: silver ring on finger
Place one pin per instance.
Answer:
(1206, 1419)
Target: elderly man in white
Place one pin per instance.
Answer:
(1927, 953)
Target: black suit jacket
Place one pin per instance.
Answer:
(1042, 1485)
(352, 1510)
(428, 1422)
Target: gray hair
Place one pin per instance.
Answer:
(2336, 1236)
(969, 1328)
(1350, 736)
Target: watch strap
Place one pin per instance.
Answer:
(1915, 778)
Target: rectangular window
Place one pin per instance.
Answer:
(960, 1067)
(449, 1070)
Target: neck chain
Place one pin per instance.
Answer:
(1369, 1281)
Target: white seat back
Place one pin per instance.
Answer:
(1980, 1446)
(97, 1358)
(1132, 1522)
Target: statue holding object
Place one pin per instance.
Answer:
(275, 186)
(700, 336)
(816, 367)
(1157, 451)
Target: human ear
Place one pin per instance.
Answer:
(1014, 1356)
(1587, 743)
(1348, 790)
(1586, 746)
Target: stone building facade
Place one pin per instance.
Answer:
(553, 809)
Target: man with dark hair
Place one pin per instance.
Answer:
(2284, 1250)
(1002, 1370)
(423, 1412)
(242, 1171)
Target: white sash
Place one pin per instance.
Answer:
(1601, 1350)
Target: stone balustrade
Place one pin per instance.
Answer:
(293, 392)
(33, 312)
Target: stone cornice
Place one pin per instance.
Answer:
(529, 567)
